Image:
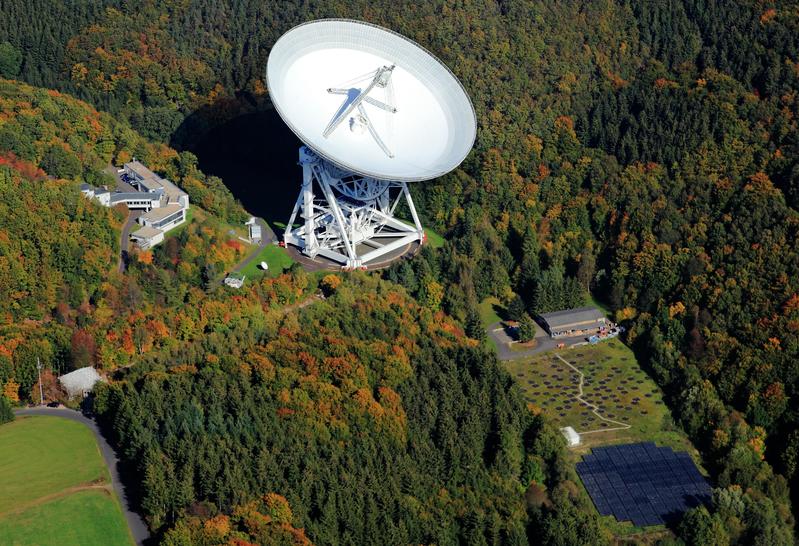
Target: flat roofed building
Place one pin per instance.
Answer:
(136, 200)
(147, 237)
(255, 232)
(574, 322)
(148, 181)
(138, 170)
(164, 218)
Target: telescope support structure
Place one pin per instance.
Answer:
(347, 217)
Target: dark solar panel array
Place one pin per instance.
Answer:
(643, 483)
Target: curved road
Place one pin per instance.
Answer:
(137, 527)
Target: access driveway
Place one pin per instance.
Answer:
(137, 527)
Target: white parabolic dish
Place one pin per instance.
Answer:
(429, 134)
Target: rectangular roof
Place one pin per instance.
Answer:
(126, 195)
(565, 317)
(153, 182)
(146, 232)
(139, 168)
(160, 213)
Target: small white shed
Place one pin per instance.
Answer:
(234, 280)
(80, 382)
(572, 438)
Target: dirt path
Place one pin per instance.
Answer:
(304, 303)
(594, 408)
(136, 524)
(57, 495)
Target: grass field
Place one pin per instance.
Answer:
(55, 486)
(83, 518)
(487, 309)
(277, 258)
(613, 382)
(434, 239)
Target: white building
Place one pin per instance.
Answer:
(165, 204)
(234, 280)
(145, 180)
(255, 230)
(170, 211)
(164, 218)
(572, 438)
(80, 382)
(147, 237)
(136, 200)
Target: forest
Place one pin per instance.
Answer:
(644, 151)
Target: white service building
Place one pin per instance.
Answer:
(80, 382)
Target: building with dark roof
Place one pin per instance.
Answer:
(136, 199)
(574, 322)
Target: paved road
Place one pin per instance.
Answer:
(503, 341)
(124, 239)
(137, 527)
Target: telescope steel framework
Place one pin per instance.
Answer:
(347, 217)
(362, 145)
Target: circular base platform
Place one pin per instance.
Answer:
(320, 263)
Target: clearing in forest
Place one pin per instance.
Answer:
(599, 390)
(56, 488)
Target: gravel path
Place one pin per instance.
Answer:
(137, 527)
(593, 407)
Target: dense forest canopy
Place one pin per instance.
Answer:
(644, 150)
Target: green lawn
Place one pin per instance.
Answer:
(277, 258)
(42, 455)
(83, 518)
(434, 239)
(44, 463)
(488, 309)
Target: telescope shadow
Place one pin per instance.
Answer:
(255, 154)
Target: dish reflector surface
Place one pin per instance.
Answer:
(415, 123)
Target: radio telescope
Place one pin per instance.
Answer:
(375, 111)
